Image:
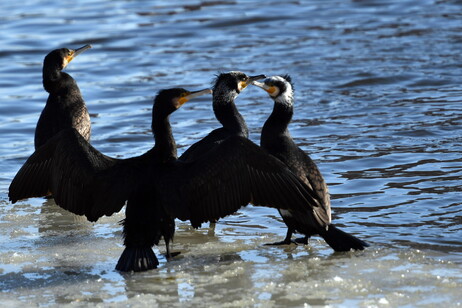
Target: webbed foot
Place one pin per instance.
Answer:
(302, 240)
(171, 255)
(284, 242)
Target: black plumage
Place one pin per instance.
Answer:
(157, 187)
(65, 107)
(227, 87)
(276, 139)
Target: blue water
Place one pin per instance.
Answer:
(378, 107)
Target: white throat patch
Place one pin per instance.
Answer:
(287, 97)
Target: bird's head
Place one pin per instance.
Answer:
(169, 100)
(233, 82)
(60, 58)
(279, 88)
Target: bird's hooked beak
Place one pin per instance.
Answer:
(192, 95)
(74, 53)
(272, 90)
(81, 49)
(250, 80)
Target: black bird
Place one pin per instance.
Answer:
(157, 187)
(227, 87)
(225, 90)
(65, 106)
(276, 140)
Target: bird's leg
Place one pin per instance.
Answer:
(170, 255)
(302, 240)
(287, 241)
(167, 225)
(212, 224)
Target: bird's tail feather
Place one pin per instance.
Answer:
(137, 259)
(342, 241)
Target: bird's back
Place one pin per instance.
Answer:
(62, 112)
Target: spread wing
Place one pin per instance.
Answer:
(201, 147)
(80, 178)
(231, 175)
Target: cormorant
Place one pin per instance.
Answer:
(157, 187)
(225, 90)
(227, 87)
(65, 106)
(276, 140)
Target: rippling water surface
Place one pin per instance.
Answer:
(378, 106)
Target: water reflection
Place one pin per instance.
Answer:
(56, 221)
(171, 284)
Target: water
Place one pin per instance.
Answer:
(378, 106)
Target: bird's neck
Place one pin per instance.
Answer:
(165, 143)
(57, 82)
(278, 122)
(228, 115)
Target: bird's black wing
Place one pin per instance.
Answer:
(231, 175)
(201, 147)
(315, 180)
(80, 178)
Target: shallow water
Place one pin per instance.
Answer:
(378, 106)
